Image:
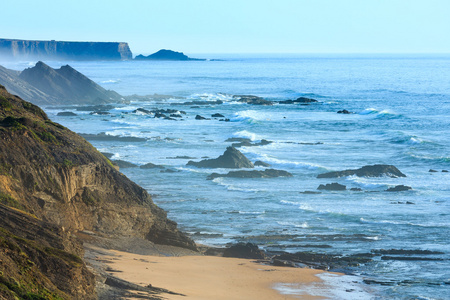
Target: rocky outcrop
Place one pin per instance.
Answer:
(54, 174)
(60, 50)
(267, 173)
(244, 250)
(230, 159)
(164, 54)
(67, 85)
(367, 171)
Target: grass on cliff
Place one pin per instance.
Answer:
(28, 282)
(7, 200)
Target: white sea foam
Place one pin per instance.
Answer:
(292, 224)
(363, 220)
(253, 115)
(110, 81)
(288, 164)
(126, 108)
(246, 134)
(332, 286)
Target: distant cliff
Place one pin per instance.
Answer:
(43, 85)
(164, 54)
(51, 50)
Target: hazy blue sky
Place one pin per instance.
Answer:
(238, 26)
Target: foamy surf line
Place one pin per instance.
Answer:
(331, 286)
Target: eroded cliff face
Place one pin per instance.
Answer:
(26, 49)
(54, 174)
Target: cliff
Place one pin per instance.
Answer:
(16, 86)
(58, 183)
(67, 85)
(60, 50)
(43, 85)
(164, 54)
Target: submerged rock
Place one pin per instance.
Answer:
(231, 159)
(332, 187)
(366, 171)
(344, 111)
(268, 173)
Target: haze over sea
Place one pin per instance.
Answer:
(400, 106)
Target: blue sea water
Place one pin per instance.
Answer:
(401, 106)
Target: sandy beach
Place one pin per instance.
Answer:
(207, 277)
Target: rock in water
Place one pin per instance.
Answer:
(367, 171)
(123, 164)
(332, 187)
(399, 188)
(66, 114)
(165, 54)
(230, 159)
(250, 99)
(259, 163)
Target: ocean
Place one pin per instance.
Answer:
(400, 107)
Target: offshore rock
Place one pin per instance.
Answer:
(250, 99)
(302, 100)
(399, 188)
(66, 114)
(56, 175)
(263, 142)
(268, 173)
(164, 54)
(60, 50)
(259, 163)
(332, 187)
(367, 171)
(230, 159)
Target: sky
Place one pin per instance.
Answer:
(237, 26)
